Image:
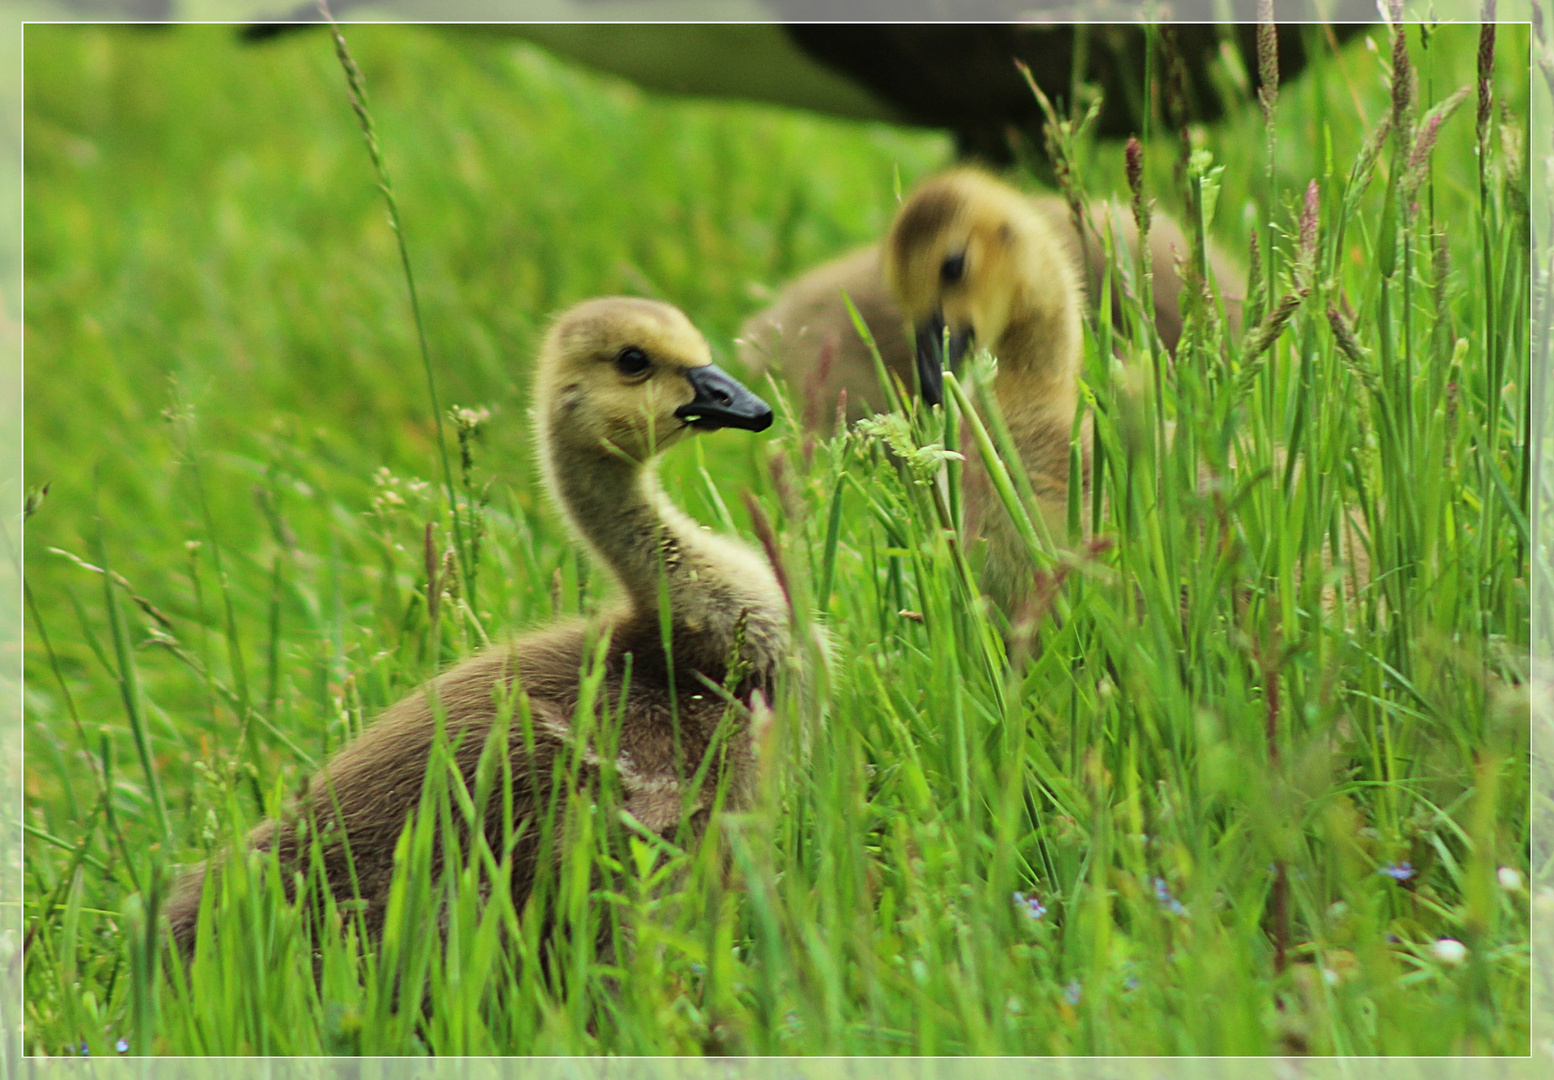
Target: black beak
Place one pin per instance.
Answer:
(932, 359)
(722, 402)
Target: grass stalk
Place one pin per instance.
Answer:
(356, 90)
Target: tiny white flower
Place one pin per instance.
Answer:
(1450, 951)
(1510, 879)
(1330, 976)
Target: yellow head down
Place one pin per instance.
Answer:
(627, 377)
(970, 255)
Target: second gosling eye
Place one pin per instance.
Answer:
(953, 268)
(632, 361)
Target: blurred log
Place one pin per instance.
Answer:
(955, 76)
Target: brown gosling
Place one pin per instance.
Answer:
(970, 255)
(618, 381)
(807, 336)
(972, 258)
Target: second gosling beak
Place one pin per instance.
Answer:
(932, 358)
(722, 401)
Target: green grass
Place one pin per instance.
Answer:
(225, 393)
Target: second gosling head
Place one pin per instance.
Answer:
(626, 377)
(972, 258)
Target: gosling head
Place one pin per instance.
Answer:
(628, 378)
(963, 253)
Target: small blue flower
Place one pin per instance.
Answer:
(1031, 905)
(1071, 992)
(85, 1050)
(122, 1046)
(1131, 983)
(1397, 872)
(1171, 903)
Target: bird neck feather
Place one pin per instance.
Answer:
(1040, 347)
(718, 590)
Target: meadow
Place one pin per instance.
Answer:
(1186, 807)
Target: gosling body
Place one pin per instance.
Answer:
(807, 336)
(973, 263)
(618, 381)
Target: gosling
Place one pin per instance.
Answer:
(618, 381)
(970, 255)
(971, 260)
(808, 338)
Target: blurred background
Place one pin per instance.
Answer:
(203, 226)
(219, 348)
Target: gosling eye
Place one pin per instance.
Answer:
(632, 362)
(953, 268)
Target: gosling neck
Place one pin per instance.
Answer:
(616, 505)
(1039, 346)
(619, 508)
(720, 592)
